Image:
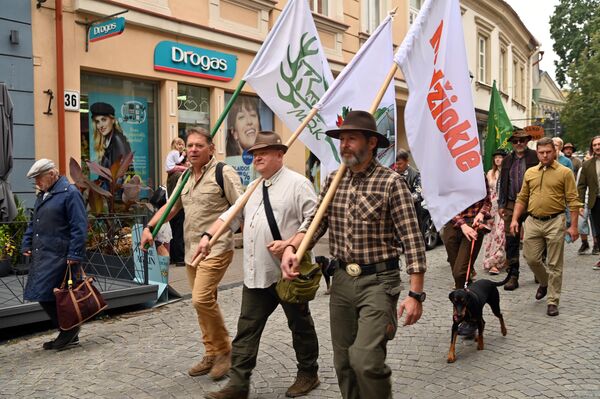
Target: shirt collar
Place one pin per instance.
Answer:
(273, 179)
(367, 172)
(553, 165)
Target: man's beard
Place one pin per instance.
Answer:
(355, 158)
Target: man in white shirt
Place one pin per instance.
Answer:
(292, 199)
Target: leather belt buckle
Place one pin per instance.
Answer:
(353, 269)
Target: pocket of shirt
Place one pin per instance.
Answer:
(370, 206)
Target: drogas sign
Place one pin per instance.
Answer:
(106, 29)
(194, 61)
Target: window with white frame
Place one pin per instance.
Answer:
(502, 74)
(371, 12)
(413, 10)
(320, 6)
(482, 58)
(515, 91)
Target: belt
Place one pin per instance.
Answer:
(354, 269)
(545, 218)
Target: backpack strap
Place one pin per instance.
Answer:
(219, 177)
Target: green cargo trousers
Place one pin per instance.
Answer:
(257, 305)
(363, 318)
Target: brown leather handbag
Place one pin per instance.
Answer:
(79, 302)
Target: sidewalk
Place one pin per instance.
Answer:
(147, 354)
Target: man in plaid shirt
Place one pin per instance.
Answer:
(370, 216)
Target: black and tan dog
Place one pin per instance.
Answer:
(468, 307)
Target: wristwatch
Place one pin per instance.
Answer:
(149, 227)
(419, 296)
(206, 233)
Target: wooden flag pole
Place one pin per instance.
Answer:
(188, 172)
(250, 190)
(303, 247)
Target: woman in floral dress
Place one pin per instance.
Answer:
(493, 243)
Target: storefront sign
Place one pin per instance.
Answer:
(194, 61)
(106, 29)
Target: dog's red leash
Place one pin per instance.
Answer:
(470, 261)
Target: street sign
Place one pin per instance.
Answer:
(106, 29)
(71, 99)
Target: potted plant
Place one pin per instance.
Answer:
(7, 250)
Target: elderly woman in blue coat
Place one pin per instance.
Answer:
(55, 239)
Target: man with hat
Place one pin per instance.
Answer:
(203, 199)
(512, 171)
(568, 150)
(370, 216)
(55, 239)
(287, 198)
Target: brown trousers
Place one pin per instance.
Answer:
(458, 248)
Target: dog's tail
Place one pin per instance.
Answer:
(508, 276)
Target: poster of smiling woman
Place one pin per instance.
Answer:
(247, 116)
(119, 125)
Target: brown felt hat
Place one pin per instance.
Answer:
(569, 145)
(520, 134)
(268, 140)
(360, 121)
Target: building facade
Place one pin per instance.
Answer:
(130, 67)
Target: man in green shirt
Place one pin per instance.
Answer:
(546, 189)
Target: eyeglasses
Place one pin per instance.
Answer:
(519, 141)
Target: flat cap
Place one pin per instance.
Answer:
(40, 166)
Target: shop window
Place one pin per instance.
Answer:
(132, 127)
(248, 115)
(192, 108)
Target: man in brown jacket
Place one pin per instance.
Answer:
(588, 180)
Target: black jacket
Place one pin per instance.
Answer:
(531, 160)
(118, 147)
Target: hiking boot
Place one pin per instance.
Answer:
(305, 382)
(221, 366)
(595, 250)
(541, 292)
(584, 247)
(203, 367)
(552, 310)
(512, 284)
(228, 393)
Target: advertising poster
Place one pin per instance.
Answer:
(247, 117)
(111, 138)
(158, 266)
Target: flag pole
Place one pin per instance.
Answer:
(186, 175)
(242, 202)
(303, 247)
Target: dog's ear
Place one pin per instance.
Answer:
(451, 296)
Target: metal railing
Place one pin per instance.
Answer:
(109, 256)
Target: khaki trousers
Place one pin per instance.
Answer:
(548, 234)
(363, 318)
(204, 281)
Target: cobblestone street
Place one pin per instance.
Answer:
(147, 354)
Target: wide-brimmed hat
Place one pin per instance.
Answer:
(360, 121)
(520, 134)
(570, 145)
(102, 109)
(267, 139)
(499, 151)
(40, 166)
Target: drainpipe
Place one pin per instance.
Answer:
(60, 86)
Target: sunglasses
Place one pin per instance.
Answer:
(519, 141)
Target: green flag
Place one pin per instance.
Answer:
(499, 129)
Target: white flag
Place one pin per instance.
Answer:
(439, 115)
(290, 73)
(357, 86)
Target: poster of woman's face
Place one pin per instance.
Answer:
(247, 117)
